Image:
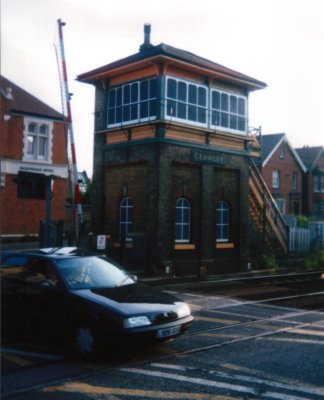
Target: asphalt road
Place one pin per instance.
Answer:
(240, 347)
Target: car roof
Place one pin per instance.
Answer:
(52, 252)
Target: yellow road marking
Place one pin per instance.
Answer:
(16, 360)
(218, 320)
(308, 332)
(78, 387)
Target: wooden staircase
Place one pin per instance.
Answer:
(265, 214)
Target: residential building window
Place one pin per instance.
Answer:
(186, 101)
(282, 151)
(222, 221)
(228, 111)
(281, 204)
(37, 140)
(182, 220)
(132, 103)
(125, 219)
(316, 183)
(294, 181)
(276, 179)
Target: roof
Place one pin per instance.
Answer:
(310, 155)
(271, 142)
(168, 52)
(25, 103)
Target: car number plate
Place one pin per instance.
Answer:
(162, 333)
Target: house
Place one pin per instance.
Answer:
(313, 158)
(171, 160)
(282, 170)
(32, 140)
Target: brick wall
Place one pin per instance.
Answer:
(154, 175)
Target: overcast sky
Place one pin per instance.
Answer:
(279, 42)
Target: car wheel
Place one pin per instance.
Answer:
(85, 342)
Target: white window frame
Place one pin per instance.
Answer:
(223, 210)
(185, 103)
(228, 112)
(126, 204)
(35, 156)
(130, 103)
(276, 179)
(184, 221)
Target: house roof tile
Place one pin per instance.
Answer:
(310, 155)
(25, 103)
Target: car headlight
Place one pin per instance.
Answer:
(134, 322)
(183, 311)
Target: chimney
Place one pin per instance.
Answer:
(147, 39)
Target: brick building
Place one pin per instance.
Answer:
(171, 160)
(282, 170)
(32, 140)
(313, 158)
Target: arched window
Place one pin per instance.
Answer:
(182, 220)
(125, 219)
(222, 221)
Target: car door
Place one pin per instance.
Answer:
(46, 302)
(12, 275)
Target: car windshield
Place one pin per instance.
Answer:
(92, 272)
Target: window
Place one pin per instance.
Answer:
(281, 204)
(37, 140)
(186, 101)
(316, 183)
(228, 111)
(294, 181)
(125, 219)
(182, 221)
(222, 221)
(276, 179)
(322, 183)
(131, 103)
(282, 151)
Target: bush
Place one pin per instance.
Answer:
(315, 259)
(269, 261)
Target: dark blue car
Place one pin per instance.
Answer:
(87, 302)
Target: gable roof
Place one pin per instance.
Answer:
(310, 155)
(24, 103)
(184, 57)
(269, 145)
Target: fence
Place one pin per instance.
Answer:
(301, 239)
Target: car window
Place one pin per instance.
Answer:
(14, 260)
(39, 270)
(92, 272)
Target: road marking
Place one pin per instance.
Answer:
(308, 332)
(15, 359)
(50, 357)
(189, 379)
(305, 341)
(84, 388)
(218, 320)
